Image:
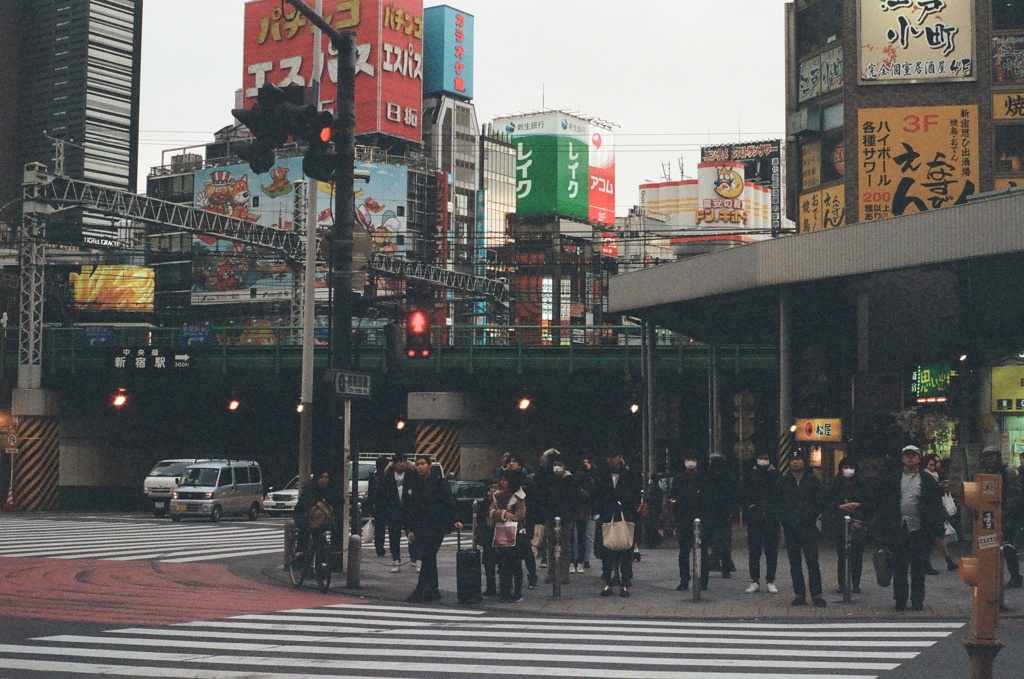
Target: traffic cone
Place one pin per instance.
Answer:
(9, 506)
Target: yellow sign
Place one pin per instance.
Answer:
(1008, 389)
(1008, 106)
(1008, 182)
(915, 159)
(821, 209)
(819, 429)
(810, 164)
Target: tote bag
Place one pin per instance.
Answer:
(617, 534)
(505, 534)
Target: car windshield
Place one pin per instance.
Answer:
(293, 484)
(169, 469)
(201, 476)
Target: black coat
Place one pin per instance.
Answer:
(691, 497)
(555, 496)
(610, 499)
(845, 490)
(931, 513)
(387, 506)
(311, 493)
(428, 509)
(759, 505)
(800, 504)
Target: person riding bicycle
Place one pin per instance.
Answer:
(317, 490)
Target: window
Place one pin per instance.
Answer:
(242, 475)
(1007, 14)
(818, 25)
(1009, 148)
(226, 477)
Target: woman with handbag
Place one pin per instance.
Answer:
(849, 496)
(617, 495)
(508, 510)
(930, 464)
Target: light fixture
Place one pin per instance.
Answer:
(963, 357)
(400, 424)
(633, 407)
(233, 404)
(299, 408)
(524, 403)
(792, 428)
(120, 398)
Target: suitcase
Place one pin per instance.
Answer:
(467, 570)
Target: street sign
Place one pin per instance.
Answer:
(348, 383)
(155, 359)
(12, 439)
(98, 335)
(196, 336)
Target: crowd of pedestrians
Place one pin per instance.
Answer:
(558, 518)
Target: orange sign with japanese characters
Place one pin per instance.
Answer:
(915, 159)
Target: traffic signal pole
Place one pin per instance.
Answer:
(341, 234)
(983, 571)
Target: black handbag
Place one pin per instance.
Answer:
(883, 566)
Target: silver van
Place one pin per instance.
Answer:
(218, 488)
(161, 480)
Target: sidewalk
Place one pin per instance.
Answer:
(653, 592)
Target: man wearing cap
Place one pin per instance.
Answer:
(388, 505)
(800, 497)
(992, 463)
(910, 516)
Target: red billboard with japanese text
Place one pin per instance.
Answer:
(278, 49)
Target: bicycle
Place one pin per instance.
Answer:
(316, 559)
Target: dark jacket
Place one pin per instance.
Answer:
(1011, 501)
(759, 506)
(428, 507)
(887, 503)
(800, 504)
(692, 499)
(845, 490)
(586, 482)
(387, 506)
(310, 494)
(611, 498)
(556, 496)
(724, 492)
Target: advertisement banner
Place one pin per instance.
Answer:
(278, 49)
(602, 176)
(609, 244)
(916, 159)
(448, 51)
(551, 176)
(904, 41)
(819, 429)
(1008, 389)
(113, 287)
(821, 209)
(1007, 59)
(720, 194)
(762, 165)
(810, 164)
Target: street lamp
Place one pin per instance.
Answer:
(120, 398)
(524, 403)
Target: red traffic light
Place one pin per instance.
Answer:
(418, 324)
(417, 335)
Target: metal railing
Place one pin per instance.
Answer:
(465, 348)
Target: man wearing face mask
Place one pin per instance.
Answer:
(848, 496)
(690, 497)
(762, 522)
(558, 495)
(800, 498)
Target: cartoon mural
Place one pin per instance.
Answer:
(381, 206)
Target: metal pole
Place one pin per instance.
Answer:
(649, 400)
(847, 578)
(355, 541)
(696, 570)
(556, 580)
(309, 287)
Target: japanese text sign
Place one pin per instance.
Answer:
(915, 40)
(448, 51)
(916, 159)
(1008, 388)
(819, 429)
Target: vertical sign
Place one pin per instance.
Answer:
(448, 51)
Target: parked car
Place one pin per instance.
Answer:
(218, 488)
(161, 480)
(465, 493)
(283, 500)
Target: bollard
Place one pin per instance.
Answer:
(355, 548)
(556, 567)
(696, 569)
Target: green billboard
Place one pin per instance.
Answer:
(552, 176)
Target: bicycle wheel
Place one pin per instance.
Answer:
(322, 564)
(296, 567)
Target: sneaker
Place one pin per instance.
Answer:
(418, 566)
(396, 566)
(772, 589)
(752, 587)
(572, 568)
(515, 598)
(624, 592)
(819, 602)
(797, 601)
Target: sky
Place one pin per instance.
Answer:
(673, 75)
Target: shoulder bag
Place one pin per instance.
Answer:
(617, 535)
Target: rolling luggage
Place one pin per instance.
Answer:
(467, 570)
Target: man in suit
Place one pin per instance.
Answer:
(428, 513)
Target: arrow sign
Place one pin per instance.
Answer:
(182, 361)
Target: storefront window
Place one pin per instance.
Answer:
(1007, 14)
(1009, 152)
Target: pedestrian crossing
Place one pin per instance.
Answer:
(370, 640)
(135, 540)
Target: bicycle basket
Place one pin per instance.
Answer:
(320, 516)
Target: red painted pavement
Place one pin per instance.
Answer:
(140, 592)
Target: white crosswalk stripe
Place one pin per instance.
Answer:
(369, 640)
(134, 540)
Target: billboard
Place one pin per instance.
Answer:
(113, 287)
(448, 51)
(564, 165)
(822, 209)
(278, 49)
(904, 41)
(762, 165)
(228, 272)
(915, 159)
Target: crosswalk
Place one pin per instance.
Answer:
(370, 640)
(136, 540)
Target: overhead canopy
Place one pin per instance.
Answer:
(731, 295)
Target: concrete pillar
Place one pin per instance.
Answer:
(438, 417)
(37, 463)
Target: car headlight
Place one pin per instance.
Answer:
(174, 495)
(209, 496)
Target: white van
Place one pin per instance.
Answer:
(161, 480)
(217, 488)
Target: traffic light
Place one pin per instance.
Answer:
(267, 122)
(417, 335)
(983, 570)
(320, 159)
